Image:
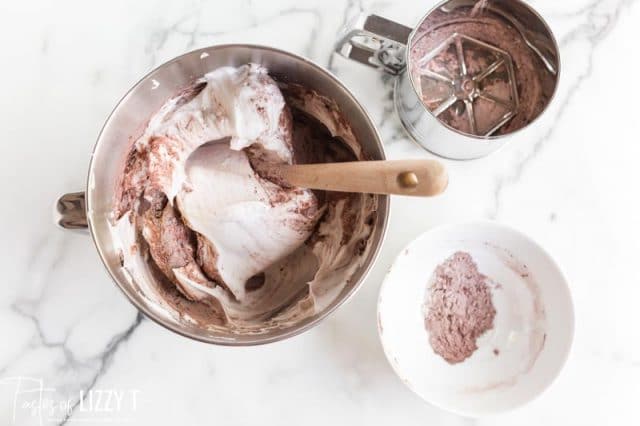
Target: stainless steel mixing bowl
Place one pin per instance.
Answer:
(92, 207)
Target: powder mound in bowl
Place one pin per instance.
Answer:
(458, 308)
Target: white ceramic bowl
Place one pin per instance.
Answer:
(533, 326)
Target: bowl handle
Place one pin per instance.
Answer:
(71, 211)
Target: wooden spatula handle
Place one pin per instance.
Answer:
(402, 177)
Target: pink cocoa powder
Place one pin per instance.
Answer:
(458, 308)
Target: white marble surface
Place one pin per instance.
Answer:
(569, 181)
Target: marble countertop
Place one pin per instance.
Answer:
(568, 181)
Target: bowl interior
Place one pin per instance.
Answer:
(129, 119)
(515, 360)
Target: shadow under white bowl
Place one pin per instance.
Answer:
(518, 358)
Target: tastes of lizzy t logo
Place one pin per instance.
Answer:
(26, 401)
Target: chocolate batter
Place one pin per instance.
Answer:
(209, 236)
